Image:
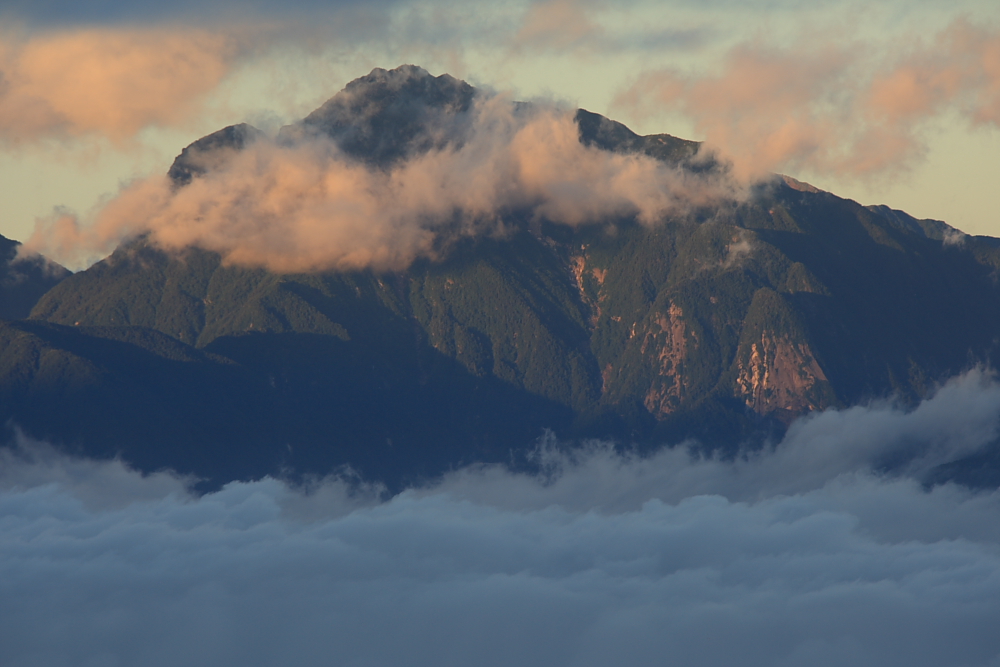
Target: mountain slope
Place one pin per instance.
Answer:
(719, 323)
(24, 281)
(258, 404)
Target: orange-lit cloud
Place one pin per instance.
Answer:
(834, 109)
(961, 67)
(556, 24)
(111, 82)
(307, 207)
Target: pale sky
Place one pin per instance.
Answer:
(892, 103)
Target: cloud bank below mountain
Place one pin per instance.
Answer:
(797, 555)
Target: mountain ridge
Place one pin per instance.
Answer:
(23, 280)
(721, 324)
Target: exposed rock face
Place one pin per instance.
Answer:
(589, 282)
(779, 375)
(670, 347)
(776, 370)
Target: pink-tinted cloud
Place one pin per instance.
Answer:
(832, 107)
(110, 82)
(960, 68)
(307, 207)
(556, 24)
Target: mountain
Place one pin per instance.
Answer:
(723, 323)
(23, 281)
(198, 158)
(387, 115)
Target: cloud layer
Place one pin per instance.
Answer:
(108, 82)
(799, 555)
(828, 106)
(834, 107)
(308, 207)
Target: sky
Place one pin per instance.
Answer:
(892, 102)
(798, 554)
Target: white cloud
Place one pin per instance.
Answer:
(832, 104)
(309, 207)
(797, 555)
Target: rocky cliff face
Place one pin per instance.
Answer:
(779, 375)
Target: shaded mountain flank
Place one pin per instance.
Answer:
(23, 281)
(721, 325)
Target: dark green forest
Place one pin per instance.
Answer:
(717, 326)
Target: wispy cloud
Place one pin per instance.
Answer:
(308, 207)
(797, 555)
(581, 27)
(830, 105)
(66, 13)
(557, 25)
(111, 83)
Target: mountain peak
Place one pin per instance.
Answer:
(387, 114)
(198, 158)
(398, 78)
(24, 280)
(719, 323)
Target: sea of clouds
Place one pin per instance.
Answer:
(803, 553)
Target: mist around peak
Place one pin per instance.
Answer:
(804, 552)
(395, 167)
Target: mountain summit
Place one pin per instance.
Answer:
(720, 323)
(389, 114)
(23, 280)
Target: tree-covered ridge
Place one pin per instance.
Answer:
(24, 280)
(718, 323)
(794, 302)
